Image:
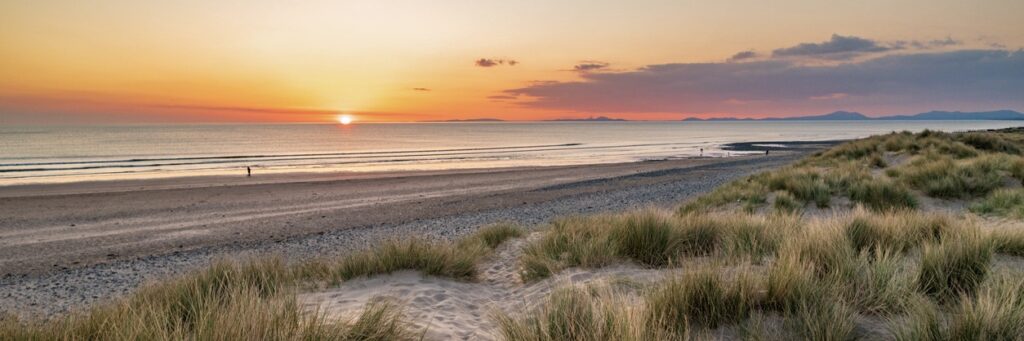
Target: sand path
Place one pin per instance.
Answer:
(445, 309)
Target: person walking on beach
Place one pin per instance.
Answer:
(702, 152)
(248, 171)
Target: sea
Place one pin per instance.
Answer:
(59, 154)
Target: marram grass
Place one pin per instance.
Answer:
(255, 299)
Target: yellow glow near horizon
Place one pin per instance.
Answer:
(345, 119)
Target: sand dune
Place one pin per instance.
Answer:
(446, 309)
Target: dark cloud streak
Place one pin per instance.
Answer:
(590, 66)
(838, 46)
(743, 55)
(981, 77)
(492, 62)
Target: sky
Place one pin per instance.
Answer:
(121, 61)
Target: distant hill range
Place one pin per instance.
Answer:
(469, 120)
(589, 119)
(856, 116)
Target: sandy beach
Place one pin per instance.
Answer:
(67, 245)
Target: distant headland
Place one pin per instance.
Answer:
(856, 116)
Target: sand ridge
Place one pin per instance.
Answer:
(446, 309)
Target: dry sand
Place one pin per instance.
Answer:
(445, 309)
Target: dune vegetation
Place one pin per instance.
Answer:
(255, 299)
(888, 237)
(837, 245)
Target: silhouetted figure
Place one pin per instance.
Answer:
(766, 151)
(248, 171)
(702, 152)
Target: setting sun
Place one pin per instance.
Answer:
(345, 119)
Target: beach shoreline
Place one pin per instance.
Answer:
(69, 246)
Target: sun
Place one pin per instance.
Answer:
(345, 119)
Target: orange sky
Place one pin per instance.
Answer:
(126, 61)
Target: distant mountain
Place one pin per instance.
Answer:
(957, 115)
(470, 120)
(835, 116)
(589, 119)
(855, 116)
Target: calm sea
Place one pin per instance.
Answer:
(64, 154)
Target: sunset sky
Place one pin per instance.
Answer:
(108, 61)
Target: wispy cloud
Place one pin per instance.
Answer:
(928, 44)
(491, 62)
(420, 89)
(590, 66)
(949, 41)
(254, 110)
(837, 95)
(743, 55)
(838, 47)
(501, 97)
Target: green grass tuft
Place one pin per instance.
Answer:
(989, 142)
(996, 312)
(1002, 202)
(493, 235)
(652, 238)
(955, 266)
(227, 301)
(1007, 241)
(894, 230)
(755, 237)
(575, 313)
(941, 177)
(881, 284)
(649, 237)
(808, 186)
(882, 195)
(701, 298)
(786, 203)
(823, 320)
(747, 193)
(572, 241)
(923, 322)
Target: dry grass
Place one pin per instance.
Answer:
(942, 177)
(882, 195)
(955, 266)
(703, 298)
(895, 230)
(929, 272)
(748, 194)
(1002, 202)
(653, 238)
(454, 260)
(943, 165)
(228, 301)
(255, 300)
(1007, 241)
(578, 313)
(995, 312)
